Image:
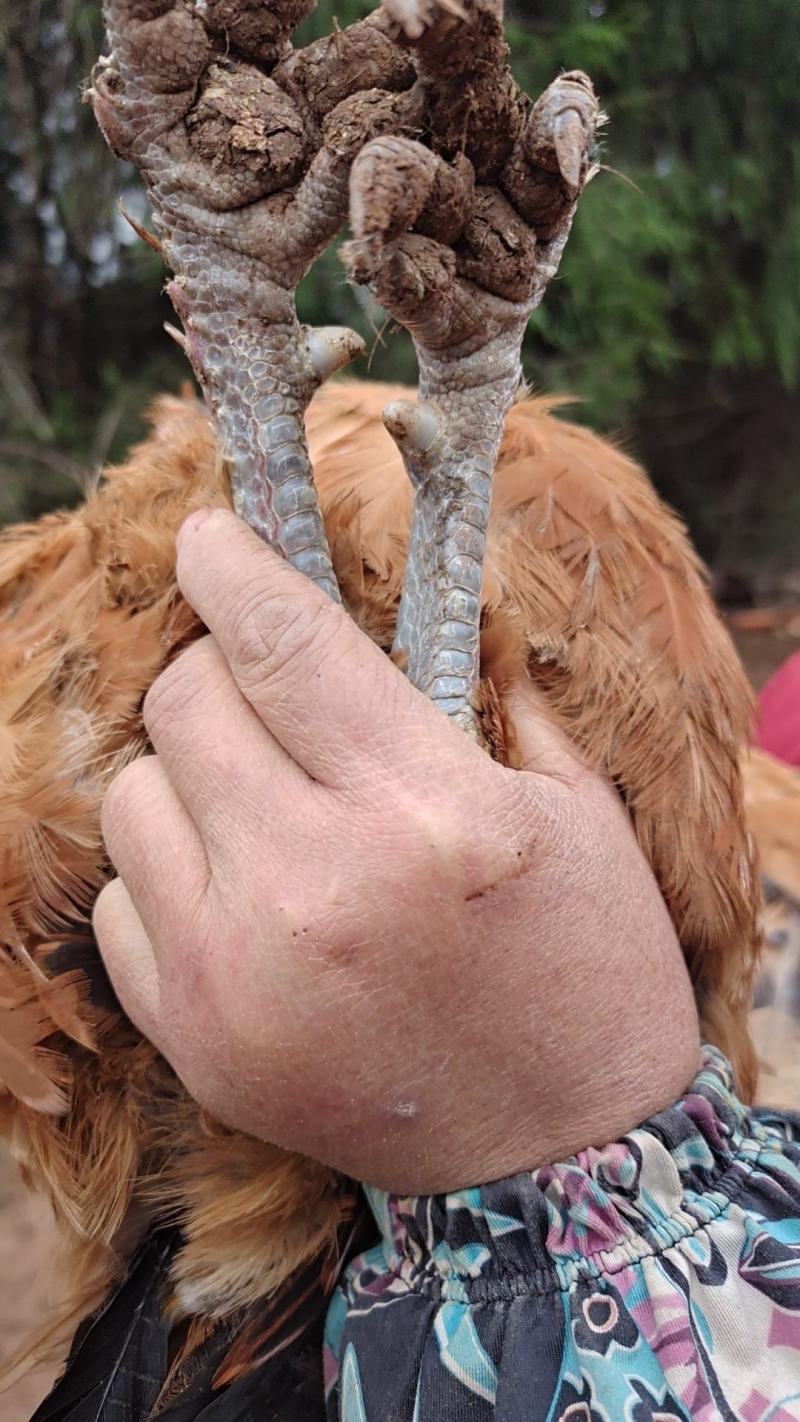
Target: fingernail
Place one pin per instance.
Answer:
(193, 522)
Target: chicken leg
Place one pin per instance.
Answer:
(460, 196)
(246, 158)
(491, 207)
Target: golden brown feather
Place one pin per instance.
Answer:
(592, 591)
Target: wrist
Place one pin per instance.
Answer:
(630, 1082)
(596, 1077)
(624, 1078)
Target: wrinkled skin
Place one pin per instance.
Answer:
(306, 973)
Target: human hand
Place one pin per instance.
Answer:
(355, 935)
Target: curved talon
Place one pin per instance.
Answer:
(177, 336)
(331, 348)
(569, 141)
(414, 427)
(390, 183)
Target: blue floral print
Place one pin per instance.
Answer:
(655, 1279)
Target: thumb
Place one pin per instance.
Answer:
(538, 744)
(128, 956)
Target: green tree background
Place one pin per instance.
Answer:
(675, 322)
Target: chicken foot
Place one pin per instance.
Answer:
(245, 148)
(459, 242)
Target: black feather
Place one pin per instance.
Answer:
(263, 1364)
(278, 1347)
(78, 949)
(288, 1388)
(118, 1361)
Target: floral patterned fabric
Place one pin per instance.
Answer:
(656, 1279)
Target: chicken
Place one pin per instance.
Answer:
(208, 1256)
(591, 591)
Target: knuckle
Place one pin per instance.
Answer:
(439, 827)
(335, 943)
(506, 833)
(185, 682)
(431, 834)
(166, 696)
(558, 824)
(271, 645)
(318, 927)
(132, 802)
(516, 805)
(105, 911)
(121, 798)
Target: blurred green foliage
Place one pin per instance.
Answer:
(676, 318)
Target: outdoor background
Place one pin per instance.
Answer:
(676, 319)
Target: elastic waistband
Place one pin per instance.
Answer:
(591, 1215)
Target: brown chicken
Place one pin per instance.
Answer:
(209, 1253)
(591, 590)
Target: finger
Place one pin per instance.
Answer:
(225, 766)
(128, 955)
(324, 690)
(155, 848)
(539, 745)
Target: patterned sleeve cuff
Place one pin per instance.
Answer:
(616, 1266)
